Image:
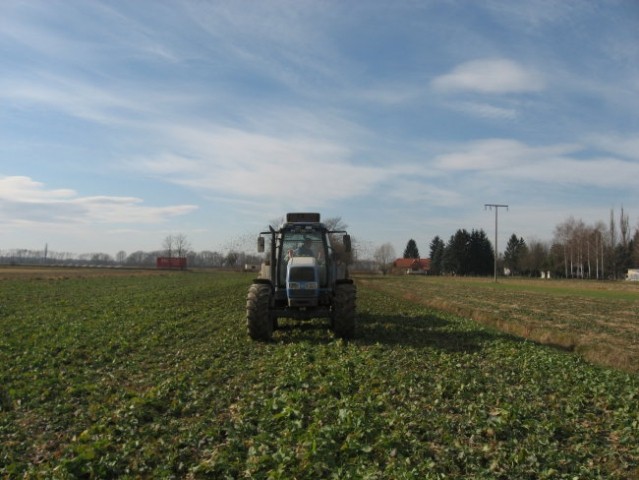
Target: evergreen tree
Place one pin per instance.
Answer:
(481, 256)
(516, 251)
(437, 247)
(456, 253)
(468, 253)
(411, 250)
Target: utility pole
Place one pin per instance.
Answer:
(496, 206)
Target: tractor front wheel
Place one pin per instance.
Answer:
(258, 320)
(343, 320)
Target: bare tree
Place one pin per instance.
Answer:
(335, 223)
(535, 260)
(563, 235)
(231, 259)
(168, 245)
(210, 259)
(599, 234)
(619, 248)
(580, 244)
(181, 245)
(120, 257)
(384, 256)
(612, 243)
(624, 229)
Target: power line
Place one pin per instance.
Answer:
(496, 206)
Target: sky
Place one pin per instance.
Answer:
(124, 122)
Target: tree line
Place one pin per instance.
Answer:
(577, 250)
(465, 253)
(139, 258)
(599, 250)
(172, 246)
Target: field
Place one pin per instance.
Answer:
(153, 376)
(598, 320)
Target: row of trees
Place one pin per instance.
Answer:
(577, 250)
(598, 250)
(465, 253)
(203, 259)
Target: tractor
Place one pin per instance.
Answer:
(304, 276)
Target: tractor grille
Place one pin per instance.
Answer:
(302, 298)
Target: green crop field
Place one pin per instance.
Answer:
(133, 375)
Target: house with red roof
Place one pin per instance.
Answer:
(411, 266)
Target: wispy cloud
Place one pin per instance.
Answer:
(560, 164)
(624, 146)
(255, 165)
(72, 97)
(485, 110)
(490, 76)
(424, 191)
(536, 13)
(24, 200)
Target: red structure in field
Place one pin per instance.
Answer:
(173, 263)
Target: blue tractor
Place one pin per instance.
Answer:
(304, 276)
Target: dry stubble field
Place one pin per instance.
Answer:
(598, 320)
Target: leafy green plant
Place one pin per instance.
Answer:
(155, 377)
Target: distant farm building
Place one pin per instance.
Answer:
(411, 266)
(633, 275)
(171, 263)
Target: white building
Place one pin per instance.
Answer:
(633, 275)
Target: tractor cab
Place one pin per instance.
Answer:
(304, 262)
(308, 244)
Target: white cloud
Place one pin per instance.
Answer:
(485, 155)
(622, 145)
(24, 201)
(485, 110)
(490, 76)
(426, 192)
(596, 172)
(81, 99)
(24, 190)
(259, 166)
(511, 160)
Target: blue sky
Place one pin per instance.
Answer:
(122, 122)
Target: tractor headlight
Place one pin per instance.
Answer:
(311, 285)
(293, 285)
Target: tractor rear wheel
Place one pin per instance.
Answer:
(258, 320)
(343, 320)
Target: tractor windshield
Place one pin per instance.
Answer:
(303, 244)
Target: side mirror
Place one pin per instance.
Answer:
(260, 244)
(347, 243)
